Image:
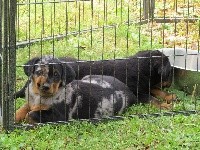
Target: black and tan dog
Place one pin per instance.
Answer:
(53, 95)
(145, 73)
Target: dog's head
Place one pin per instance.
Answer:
(160, 66)
(163, 68)
(48, 74)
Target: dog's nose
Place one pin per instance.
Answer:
(45, 86)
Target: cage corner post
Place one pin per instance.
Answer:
(8, 66)
(148, 9)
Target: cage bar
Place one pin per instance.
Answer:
(9, 61)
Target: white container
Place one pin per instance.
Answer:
(186, 63)
(182, 58)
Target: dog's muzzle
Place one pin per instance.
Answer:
(45, 90)
(45, 87)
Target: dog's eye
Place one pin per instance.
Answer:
(55, 74)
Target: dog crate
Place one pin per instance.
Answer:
(89, 30)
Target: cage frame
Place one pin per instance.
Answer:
(8, 47)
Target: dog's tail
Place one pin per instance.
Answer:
(21, 92)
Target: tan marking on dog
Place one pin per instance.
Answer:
(55, 87)
(166, 84)
(21, 113)
(38, 80)
(167, 97)
(163, 105)
(41, 80)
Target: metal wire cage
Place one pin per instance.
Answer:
(89, 30)
(8, 61)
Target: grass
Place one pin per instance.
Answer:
(122, 40)
(179, 132)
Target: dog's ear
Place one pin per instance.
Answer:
(68, 74)
(164, 69)
(29, 66)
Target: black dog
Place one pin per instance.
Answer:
(54, 95)
(144, 73)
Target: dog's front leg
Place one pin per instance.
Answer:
(146, 98)
(167, 97)
(39, 107)
(37, 113)
(163, 105)
(21, 113)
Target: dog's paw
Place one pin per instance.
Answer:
(18, 117)
(159, 104)
(31, 117)
(167, 106)
(170, 98)
(21, 113)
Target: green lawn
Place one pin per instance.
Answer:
(179, 132)
(122, 40)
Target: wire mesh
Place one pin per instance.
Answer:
(97, 31)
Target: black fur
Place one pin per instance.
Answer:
(93, 96)
(141, 72)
